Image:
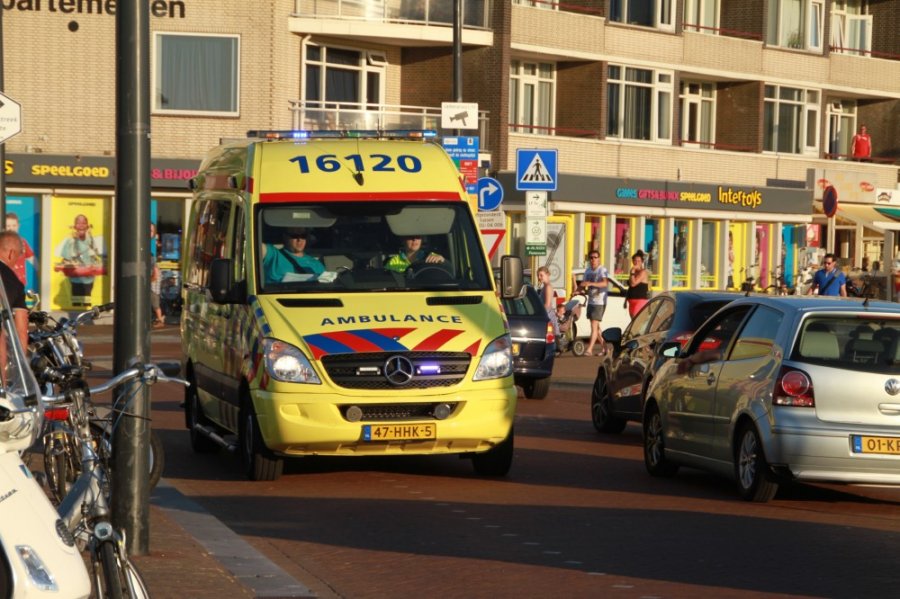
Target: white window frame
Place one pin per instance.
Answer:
(705, 95)
(370, 61)
(530, 88)
(848, 18)
(811, 19)
(805, 136)
(838, 112)
(662, 92)
(156, 69)
(697, 15)
(544, 4)
(663, 13)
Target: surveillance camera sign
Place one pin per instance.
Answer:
(459, 115)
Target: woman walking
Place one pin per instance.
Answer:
(638, 284)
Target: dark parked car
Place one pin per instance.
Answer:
(533, 343)
(625, 373)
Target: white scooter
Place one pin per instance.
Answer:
(38, 555)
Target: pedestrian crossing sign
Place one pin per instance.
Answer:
(536, 170)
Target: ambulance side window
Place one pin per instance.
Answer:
(211, 239)
(237, 252)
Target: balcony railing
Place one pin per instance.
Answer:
(475, 13)
(318, 115)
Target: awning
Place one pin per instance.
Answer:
(881, 218)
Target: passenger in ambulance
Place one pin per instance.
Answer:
(410, 254)
(290, 262)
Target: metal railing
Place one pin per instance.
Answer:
(476, 13)
(315, 115)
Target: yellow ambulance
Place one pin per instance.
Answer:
(338, 301)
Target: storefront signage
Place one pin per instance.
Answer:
(95, 171)
(158, 8)
(675, 194)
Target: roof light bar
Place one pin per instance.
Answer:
(343, 134)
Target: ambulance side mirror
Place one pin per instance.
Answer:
(511, 277)
(221, 287)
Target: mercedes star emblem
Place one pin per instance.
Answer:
(398, 370)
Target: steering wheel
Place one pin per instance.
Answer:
(416, 270)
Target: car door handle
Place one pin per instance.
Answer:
(711, 378)
(889, 408)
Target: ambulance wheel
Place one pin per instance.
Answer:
(579, 347)
(496, 461)
(256, 459)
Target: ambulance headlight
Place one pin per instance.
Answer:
(284, 362)
(497, 361)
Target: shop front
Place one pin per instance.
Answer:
(694, 236)
(64, 208)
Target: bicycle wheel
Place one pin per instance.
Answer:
(111, 572)
(156, 457)
(62, 463)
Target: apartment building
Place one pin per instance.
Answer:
(705, 132)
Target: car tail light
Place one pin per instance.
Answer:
(57, 414)
(793, 388)
(550, 336)
(708, 343)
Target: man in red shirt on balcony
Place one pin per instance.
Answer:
(861, 145)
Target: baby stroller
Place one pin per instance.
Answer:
(567, 333)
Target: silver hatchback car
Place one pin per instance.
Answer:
(773, 389)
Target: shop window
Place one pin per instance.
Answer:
(639, 103)
(624, 244)
(709, 247)
(791, 120)
(680, 254)
(532, 90)
(762, 257)
(197, 73)
(653, 239)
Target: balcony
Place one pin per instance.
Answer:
(317, 115)
(394, 22)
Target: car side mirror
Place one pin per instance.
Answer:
(511, 277)
(670, 349)
(222, 288)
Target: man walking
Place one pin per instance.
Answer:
(829, 280)
(595, 282)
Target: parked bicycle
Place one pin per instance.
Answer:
(84, 510)
(58, 363)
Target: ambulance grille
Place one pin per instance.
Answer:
(366, 370)
(397, 412)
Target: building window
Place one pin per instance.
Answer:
(196, 73)
(841, 127)
(343, 78)
(791, 120)
(545, 4)
(796, 24)
(532, 91)
(698, 113)
(851, 27)
(701, 15)
(639, 103)
(681, 255)
(648, 13)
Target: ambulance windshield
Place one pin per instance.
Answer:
(366, 246)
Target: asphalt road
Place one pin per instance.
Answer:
(578, 516)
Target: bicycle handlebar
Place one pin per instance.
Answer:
(148, 373)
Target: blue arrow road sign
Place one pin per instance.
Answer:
(490, 193)
(536, 170)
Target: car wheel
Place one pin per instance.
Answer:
(536, 388)
(579, 347)
(751, 470)
(496, 461)
(601, 408)
(655, 446)
(257, 460)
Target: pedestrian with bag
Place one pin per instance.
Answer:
(829, 280)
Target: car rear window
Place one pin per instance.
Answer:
(703, 310)
(527, 305)
(862, 344)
